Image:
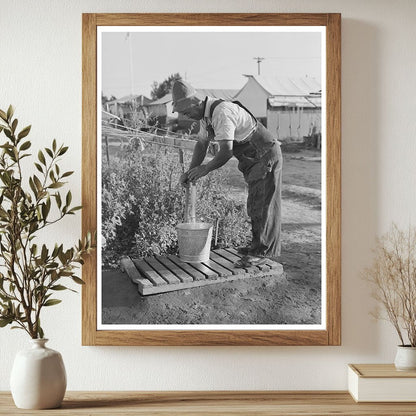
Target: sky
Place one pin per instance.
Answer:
(131, 61)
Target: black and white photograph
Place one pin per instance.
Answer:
(211, 177)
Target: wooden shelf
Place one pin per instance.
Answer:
(317, 403)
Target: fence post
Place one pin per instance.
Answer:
(106, 150)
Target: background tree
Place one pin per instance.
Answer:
(159, 90)
(105, 99)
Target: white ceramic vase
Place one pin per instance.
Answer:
(38, 377)
(405, 358)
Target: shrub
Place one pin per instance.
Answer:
(142, 202)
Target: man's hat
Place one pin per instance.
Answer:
(182, 94)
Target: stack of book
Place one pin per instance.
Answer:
(381, 383)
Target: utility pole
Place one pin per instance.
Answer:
(258, 59)
(128, 38)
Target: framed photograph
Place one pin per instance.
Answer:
(211, 172)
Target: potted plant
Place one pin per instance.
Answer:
(393, 276)
(31, 273)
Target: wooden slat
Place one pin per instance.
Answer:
(162, 270)
(128, 266)
(221, 271)
(270, 264)
(229, 265)
(251, 269)
(147, 271)
(217, 266)
(206, 271)
(234, 258)
(196, 275)
(175, 269)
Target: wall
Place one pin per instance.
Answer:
(40, 73)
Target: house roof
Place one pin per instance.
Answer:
(132, 97)
(164, 100)
(287, 85)
(294, 101)
(202, 92)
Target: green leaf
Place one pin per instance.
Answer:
(58, 199)
(24, 132)
(49, 152)
(34, 249)
(14, 125)
(41, 157)
(25, 145)
(76, 208)
(44, 253)
(51, 302)
(76, 279)
(54, 145)
(63, 151)
(5, 321)
(33, 187)
(3, 115)
(68, 199)
(8, 133)
(39, 167)
(37, 183)
(56, 185)
(10, 112)
(59, 287)
(40, 332)
(45, 211)
(67, 174)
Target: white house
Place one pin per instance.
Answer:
(294, 116)
(258, 89)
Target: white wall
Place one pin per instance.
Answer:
(40, 73)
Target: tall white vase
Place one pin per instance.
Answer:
(38, 377)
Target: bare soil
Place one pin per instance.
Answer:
(294, 298)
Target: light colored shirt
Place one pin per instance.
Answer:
(229, 122)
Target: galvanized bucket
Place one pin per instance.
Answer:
(194, 241)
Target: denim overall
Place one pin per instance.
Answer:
(260, 161)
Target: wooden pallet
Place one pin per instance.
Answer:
(165, 274)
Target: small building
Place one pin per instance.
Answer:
(258, 89)
(160, 110)
(294, 117)
(128, 108)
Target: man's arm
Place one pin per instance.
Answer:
(221, 158)
(200, 151)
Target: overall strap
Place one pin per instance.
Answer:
(217, 102)
(213, 106)
(244, 108)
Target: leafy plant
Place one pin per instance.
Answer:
(30, 272)
(142, 202)
(393, 276)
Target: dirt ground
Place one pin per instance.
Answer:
(292, 298)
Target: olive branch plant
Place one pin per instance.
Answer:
(393, 277)
(30, 273)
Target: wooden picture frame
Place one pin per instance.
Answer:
(331, 334)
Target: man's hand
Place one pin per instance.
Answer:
(184, 180)
(197, 172)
